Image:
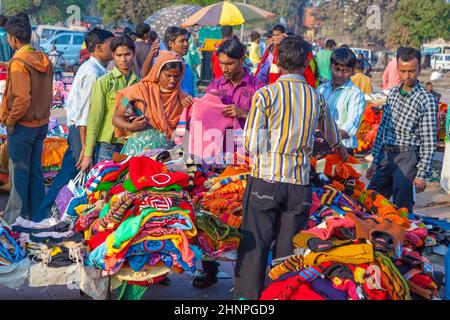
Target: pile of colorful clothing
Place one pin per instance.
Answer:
(224, 198)
(47, 240)
(368, 127)
(219, 213)
(218, 240)
(358, 246)
(137, 220)
(53, 150)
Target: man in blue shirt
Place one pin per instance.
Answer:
(347, 101)
(176, 40)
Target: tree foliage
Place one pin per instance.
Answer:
(44, 11)
(130, 10)
(419, 21)
(356, 19)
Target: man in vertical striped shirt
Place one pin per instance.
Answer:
(279, 133)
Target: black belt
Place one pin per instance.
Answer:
(396, 149)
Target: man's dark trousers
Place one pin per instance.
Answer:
(271, 210)
(25, 172)
(395, 176)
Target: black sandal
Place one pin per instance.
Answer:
(204, 280)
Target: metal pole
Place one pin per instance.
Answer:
(242, 27)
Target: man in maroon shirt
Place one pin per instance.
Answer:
(236, 88)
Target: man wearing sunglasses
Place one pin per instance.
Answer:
(346, 100)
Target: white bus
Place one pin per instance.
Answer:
(440, 62)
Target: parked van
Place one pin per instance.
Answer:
(67, 43)
(440, 62)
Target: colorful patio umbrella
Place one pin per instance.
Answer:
(226, 13)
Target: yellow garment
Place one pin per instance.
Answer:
(363, 82)
(351, 254)
(255, 53)
(146, 274)
(79, 210)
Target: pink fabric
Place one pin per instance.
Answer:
(330, 225)
(206, 124)
(391, 77)
(347, 286)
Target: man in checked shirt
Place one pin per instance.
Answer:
(406, 139)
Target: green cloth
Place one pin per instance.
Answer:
(105, 210)
(6, 52)
(324, 63)
(193, 59)
(100, 127)
(215, 228)
(403, 92)
(104, 186)
(208, 32)
(131, 292)
(147, 139)
(395, 273)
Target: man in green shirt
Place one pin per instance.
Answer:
(324, 60)
(100, 140)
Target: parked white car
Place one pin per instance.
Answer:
(440, 62)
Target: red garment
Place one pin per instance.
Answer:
(309, 75)
(216, 70)
(98, 239)
(303, 292)
(113, 176)
(185, 205)
(273, 77)
(146, 172)
(375, 294)
(423, 281)
(116, 189)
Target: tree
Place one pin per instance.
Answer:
(359, 20)
(45, 11)
(129, 10)
(417, 21)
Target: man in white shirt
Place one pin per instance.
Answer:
(77, 109)
(347, 101)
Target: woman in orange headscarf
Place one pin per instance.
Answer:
(150, 110)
